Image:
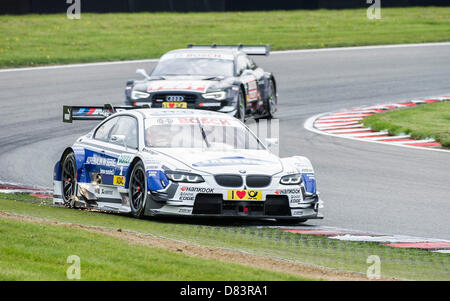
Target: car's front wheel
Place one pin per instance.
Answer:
(138, 190)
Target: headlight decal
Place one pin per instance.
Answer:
(156, 180)
(310, 182)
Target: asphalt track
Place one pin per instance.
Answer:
(365, 186)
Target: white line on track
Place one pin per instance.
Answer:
(362, 47)
(272, 52)
(79, 65)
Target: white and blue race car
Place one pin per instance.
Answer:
(149, 162)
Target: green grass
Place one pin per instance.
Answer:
(423, 121)
(29, 40)
(31, 251)
(343, 255)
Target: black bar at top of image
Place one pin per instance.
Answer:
(106, 6)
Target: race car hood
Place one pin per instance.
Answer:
(196, 84)
(215, 162)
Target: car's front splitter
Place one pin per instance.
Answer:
(297, 213)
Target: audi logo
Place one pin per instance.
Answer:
(175, 98)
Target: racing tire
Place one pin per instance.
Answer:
(68, 179)
(138, 190)
(272, 101)
(290, 221)
(240, 106)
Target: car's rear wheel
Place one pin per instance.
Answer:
(138, 190)
(68, 179)
(272, 101)
(240, 106)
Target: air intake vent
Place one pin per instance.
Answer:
(207, 204)
(258, 181)
(277, 205)
(229, 180)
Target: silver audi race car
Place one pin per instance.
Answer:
(149, 162)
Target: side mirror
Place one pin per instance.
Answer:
(142, 72)
(118, 139)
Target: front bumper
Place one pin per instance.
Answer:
(213, 205)
(192, 100)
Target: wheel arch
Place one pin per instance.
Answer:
(267, 78)
(130, 169)
(65, 153)
(80, 156)
(243, 89)
(57, 172)
(272, 78)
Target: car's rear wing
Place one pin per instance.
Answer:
(71, 113)
(248, 49)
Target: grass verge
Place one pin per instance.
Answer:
(53, 39)
(32, 251)
(272, 242)
(423, 121)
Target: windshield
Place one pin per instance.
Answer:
(209, 133)
(194, 66)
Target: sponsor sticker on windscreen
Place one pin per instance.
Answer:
(244, 195)
(199, 55)
(179, 120)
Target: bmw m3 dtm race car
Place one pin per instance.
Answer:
(180, 162)
(217, 78)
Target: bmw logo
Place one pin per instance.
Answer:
(242, 171)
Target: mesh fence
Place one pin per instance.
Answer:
(410, 264)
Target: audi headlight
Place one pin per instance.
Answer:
(294, 179)
(138, 95)
(219, 95)
(184, 177)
